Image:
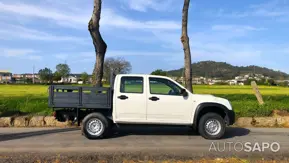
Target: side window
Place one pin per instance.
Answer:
(131, 85)
(164, 87)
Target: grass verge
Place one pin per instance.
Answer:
(33, 99)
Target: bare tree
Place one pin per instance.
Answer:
(186, 47)
(118, 65)
(99, 44)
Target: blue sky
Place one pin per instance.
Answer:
(144, 32)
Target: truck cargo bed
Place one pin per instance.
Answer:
(80, 97)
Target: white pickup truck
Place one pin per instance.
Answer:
(140, 99)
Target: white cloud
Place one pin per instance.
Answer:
(16, 52)
(213, 45)
(123, 22)
(80, 20)
(35, 57)
(61, 56)
(269, 9)
(117, 53)
(9, 31)
(144, 5)
(90, 56)
(41, 12)
(20, 53)
(235, 28)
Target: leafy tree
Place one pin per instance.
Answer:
(261, 82)
(159, 72)
(248, 81)
(56, 76)
(271, 82)
(84, 77)
(45, 74)
(284, 84)
(28, 80)
(118, 65)
(63, 70)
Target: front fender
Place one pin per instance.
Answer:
(229, 113)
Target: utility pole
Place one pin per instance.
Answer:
(64, 78)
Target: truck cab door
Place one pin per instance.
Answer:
(130, 99)
(166, 104)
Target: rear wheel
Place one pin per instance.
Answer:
(95, 126)
(212, 126)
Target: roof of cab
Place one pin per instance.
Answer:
(145, 75)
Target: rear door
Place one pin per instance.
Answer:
(130, 99)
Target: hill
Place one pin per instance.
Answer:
(223, 70)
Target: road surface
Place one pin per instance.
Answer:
(168, 141)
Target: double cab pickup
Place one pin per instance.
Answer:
(140, 99)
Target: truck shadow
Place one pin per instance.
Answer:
(14, 136)
(231, 132)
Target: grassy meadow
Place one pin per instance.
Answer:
(34, 98)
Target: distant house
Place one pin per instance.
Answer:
(241, 83)
(30, 76)
(72, 78)
(5, 76)
(18, 76)
(238, 77)
(198, 80)
(232, 82)
(236, 82)
(23, 78)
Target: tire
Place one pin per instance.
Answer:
(214, 119)
(100, 123)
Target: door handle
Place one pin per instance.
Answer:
(122, 97)
(154, 98)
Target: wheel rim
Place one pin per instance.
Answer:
(94, 127)
(213, 126)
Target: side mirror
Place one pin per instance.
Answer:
(184, 93)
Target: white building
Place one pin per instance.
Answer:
(238, 77)
(232, 82)
(247, 76)
(69, 79)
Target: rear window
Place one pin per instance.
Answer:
(131, 85)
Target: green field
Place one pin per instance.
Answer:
(34, 98)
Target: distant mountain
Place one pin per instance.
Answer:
(223, 70)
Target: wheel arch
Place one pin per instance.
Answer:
(207, 107)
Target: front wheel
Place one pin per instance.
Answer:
(212, 126)
(95, 126)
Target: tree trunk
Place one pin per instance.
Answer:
(186, 47)
(99, 44)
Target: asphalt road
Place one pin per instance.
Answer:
(152, 140)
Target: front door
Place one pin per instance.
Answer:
(165, 104)
(131, 100)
